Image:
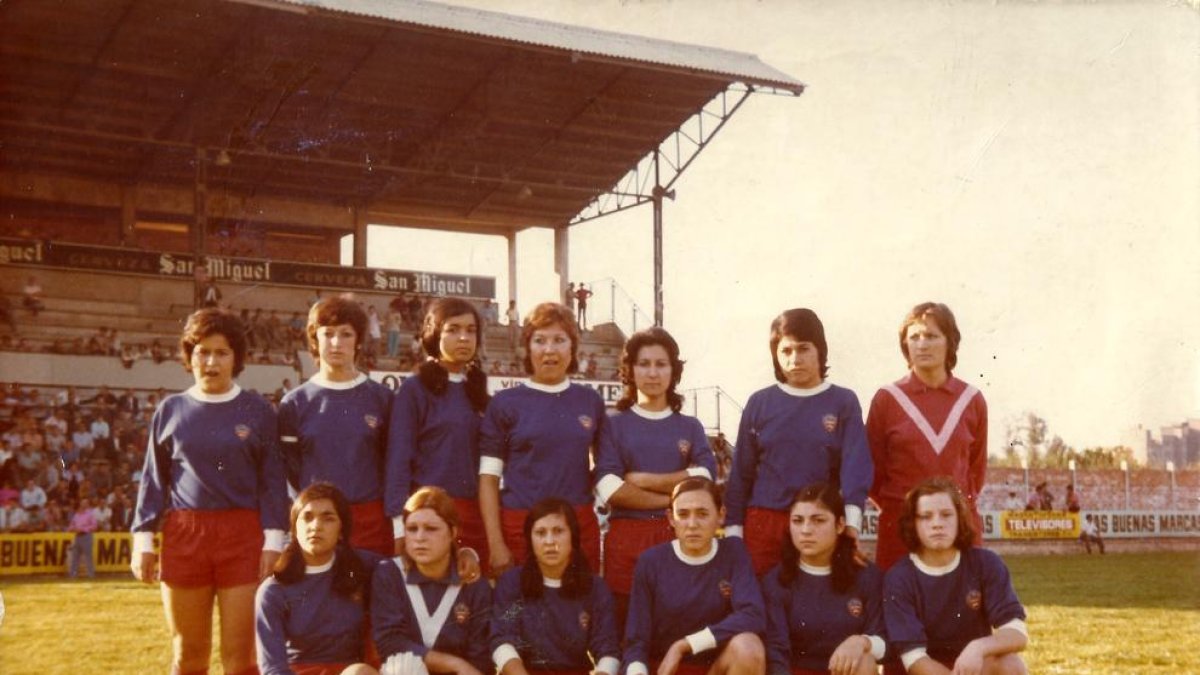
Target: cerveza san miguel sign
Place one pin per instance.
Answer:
(240, 270)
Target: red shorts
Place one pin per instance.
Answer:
(889, 547)
(512, 523)
(627, 538)
(222, 549)
(470, 527)
(763, 533)
(371, 529)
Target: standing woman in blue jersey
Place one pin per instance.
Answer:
(434, 432)
(311, 614)
(334, 426)
(645, 450)
(824, 610)
(551, 615)
(213, 483)
(950, 606)
(696, 607)
(800, 431)
(539, 437)
(420, 609)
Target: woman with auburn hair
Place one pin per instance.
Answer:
(645, 450)
(551, 614)
(334, 426)
(422, 614)
(696, 607)
(949, 605)
(435, 420)
(929, 423)
(539, 438)
(311, 616)
(824, 610)
(799, 431)
(213, 483)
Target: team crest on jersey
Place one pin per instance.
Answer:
(855, 607)
(685, 447)
(585, 421)
(974, 599)
(462, 613)
(371, 420)
(242, 431)
(726, 589)
(829, 422)
(585, 620)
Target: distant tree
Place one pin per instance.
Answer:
(1025, 437)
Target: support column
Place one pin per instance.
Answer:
(199, 231)
(657, 195)
(360, 236)
(512, 266)
(562, 259)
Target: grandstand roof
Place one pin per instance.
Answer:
(419, 113)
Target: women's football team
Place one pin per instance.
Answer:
(401, 499)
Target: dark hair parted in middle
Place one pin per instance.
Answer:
(577, 579)
(335, 312)
(435, 377)
(208, 322)
(629, 356)
(546, 315)
(845, 569)
(800, 324)
(349, 576)
(963, 539)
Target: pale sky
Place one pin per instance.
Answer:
(1036, 166)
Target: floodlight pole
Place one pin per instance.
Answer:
(656, 198)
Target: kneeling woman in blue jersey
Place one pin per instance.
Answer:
(551, 614)
(423, 617)
(824, 611)
(311, 613)
(949, 606)
(696, 607)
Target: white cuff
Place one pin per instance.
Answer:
(398, 527)
(289, 439)
(273, 540)
(637, 668)
(491, 466)
(143, 542)
(607, 486)
(1017, 625)
(702, 641)
(733, 531)
(911, 656)
(608, 664)
(854, 517)
(878, 647)
(503, 654)
(699, 471)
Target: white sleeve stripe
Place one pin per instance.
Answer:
(637, 668)
(503, 654)
(608, 665)
(398, 527)
(143, 542)
(607, 486)
(878, 647)
(1017, 625)
(911, 656)
(491, 466)
(854, 517)
(699, 471)
(289, 439)
(702, 641)
(733, 530)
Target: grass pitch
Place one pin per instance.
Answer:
(1120, 613)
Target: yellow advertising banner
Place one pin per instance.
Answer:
(47, 552)
(1039, 525)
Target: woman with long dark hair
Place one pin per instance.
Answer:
(422, 614)
(540, 438)
(311, 612)
(552, 614)
(214, 485)
(799, 431)
(334, 426)
(434, 430)
(696, 607)
(929, 423)
(824, 609)
(645, 450)
(950, 605)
